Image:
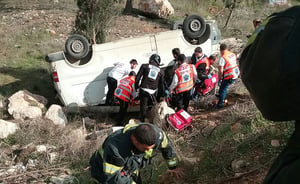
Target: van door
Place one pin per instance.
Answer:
(153, 43)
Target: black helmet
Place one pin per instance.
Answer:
(270, 66)
(154, 58)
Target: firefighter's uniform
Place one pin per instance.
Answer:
(118, 161)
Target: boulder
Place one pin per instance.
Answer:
(25, 105)
(7, 128)
(235, 45)
(159, 114)
(161, 8)
(56, 115)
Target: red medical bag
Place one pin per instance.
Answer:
(180, 120)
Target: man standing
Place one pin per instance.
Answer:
(228, 72)
(127, 150)
(183, 81)
(169, 71)
(197, 55)
(124, 93)
(150, 82)
(118, 72)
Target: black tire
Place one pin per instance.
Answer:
(193, 26)
(177, 25)
(77, 46)
(205, 35)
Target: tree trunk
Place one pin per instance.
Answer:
(128, 7)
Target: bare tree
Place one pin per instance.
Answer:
(93, 18)
(128, 7)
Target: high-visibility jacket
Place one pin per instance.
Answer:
(230, 65)
(185, 75)
(203, 60)
(118, 159)
(125, 89)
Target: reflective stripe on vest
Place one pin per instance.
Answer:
(125, 89)
(230, 64)
(185, 74)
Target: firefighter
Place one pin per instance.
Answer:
(117, 73)
(150, 82)
(228, 72)
(127, 150)
(183, 81)
(125, 93)
(270, 69)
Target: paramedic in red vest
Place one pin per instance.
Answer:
(228, 72)
(183, 81)
(150, 82)
(119, 71)
(125, 93)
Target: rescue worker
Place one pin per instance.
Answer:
(212, 59)
(125, 93)
(118, 72)
(256, 23)
(129, 149)
(150, 82)
(169, 72)
(270, 69)
(228, 72)
(183, 81)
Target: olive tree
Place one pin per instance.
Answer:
(93, 18)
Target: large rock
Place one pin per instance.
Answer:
(7, 128)
(24, 105)
(56, 114)
(159, 114)
(235, 45)
(161, 8)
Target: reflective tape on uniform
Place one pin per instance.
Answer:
(110, 168)
(172, 162)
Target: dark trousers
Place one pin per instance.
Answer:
(122, 112)
(181, 100)
(96, 163)
(286, 167)
(146, 100)
(223, 91)
(112, 85)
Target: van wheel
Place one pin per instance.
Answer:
(193, 26)
(77, 46)
(205, 35)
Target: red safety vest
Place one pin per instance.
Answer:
(230, 64)
(203, 60)
(125, 89)
(185, 74)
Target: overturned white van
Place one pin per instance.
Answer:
(79, 72)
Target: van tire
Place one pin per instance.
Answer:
(193, 26)
(205, 35)
(77, 46)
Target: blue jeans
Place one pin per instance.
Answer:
(223, 91)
